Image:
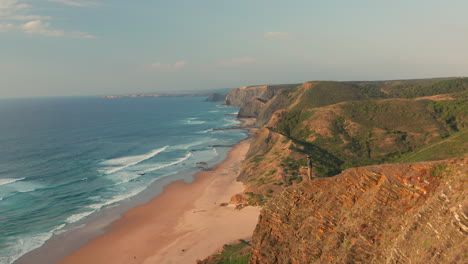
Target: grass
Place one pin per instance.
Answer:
(256, 198)
(233, 254)
(327, 93)
(257, 158)
(453, 146)
(386, 131)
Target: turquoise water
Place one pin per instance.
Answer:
(64, 159)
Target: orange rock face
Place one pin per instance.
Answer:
(395, 213)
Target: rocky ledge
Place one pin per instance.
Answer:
(395, 213)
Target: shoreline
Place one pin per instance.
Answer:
(183, 223)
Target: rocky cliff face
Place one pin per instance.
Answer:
(238, 97)
(252, 108)
(396, 213)
(216, 97)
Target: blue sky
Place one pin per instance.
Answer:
(75, 47)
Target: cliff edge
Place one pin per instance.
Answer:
(238, 97)
(395, 213)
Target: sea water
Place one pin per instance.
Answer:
(65, 159)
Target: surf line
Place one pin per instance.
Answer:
(144, 157)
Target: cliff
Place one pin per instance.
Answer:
(157, 95)
(216, 97)
(238, 97)
(396, 213)
(393, 213)
(252, 109)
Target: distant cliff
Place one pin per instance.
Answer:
(157, 95)
(252, 108)
(396, 213)
(216, 97)
(240, 97)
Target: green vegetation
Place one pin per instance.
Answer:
(257, 158)
(453, 146)
(290, 121)
(327, 93)
(438, 170)
(233, 254)
(257, 199)
(384, 131)
(419, 89)
(373, 123)
(453, 112)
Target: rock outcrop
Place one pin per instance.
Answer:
(216, 97)
(238, 97)
(395, 213)
(252, 108)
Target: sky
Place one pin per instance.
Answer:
(100, 47)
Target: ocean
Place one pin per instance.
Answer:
(63, 160)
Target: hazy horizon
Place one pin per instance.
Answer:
(79, 48)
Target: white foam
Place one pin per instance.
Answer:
(59, 229)
(21, 246)
(18, 186)
(187, 146)
(76, 217)
(190, 122)
(8, 180)
(117, 198)
(205, 131)
(215, 111)
(124, 177)
(232, 122)
(161, 166)
(126, 162)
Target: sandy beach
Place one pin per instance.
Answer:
(181, 225)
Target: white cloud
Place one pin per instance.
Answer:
(278, 35)
(75, 3)
(11, 7)
(12, 11)
(43, 28)
(161, 66)
(236, 62)
(39, 27)
(12, 4)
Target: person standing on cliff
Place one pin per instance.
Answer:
(309, 168)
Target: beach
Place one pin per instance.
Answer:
(182, 224)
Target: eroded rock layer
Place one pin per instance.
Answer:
(395, 213)
(238, 97)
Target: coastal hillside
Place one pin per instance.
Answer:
(351, 134)
(364, 204)
(394, 213)
(323, 93)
